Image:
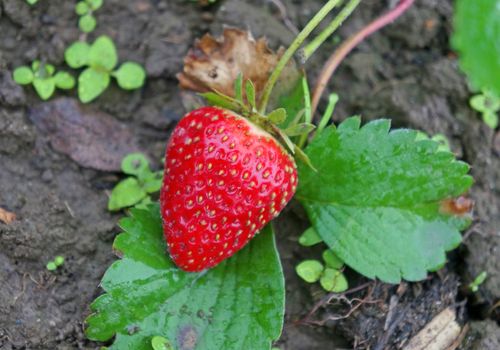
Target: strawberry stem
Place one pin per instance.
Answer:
(348, 45)
(330, 29)
(301, 37)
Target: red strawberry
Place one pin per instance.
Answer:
(225, 179)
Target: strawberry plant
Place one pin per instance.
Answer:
(201, 270)
(42, 76)
(101, 59)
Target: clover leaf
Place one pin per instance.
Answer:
(237, 305)
(101, 58)
(42, 77)
(375, 199)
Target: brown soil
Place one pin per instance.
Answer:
(406, 72)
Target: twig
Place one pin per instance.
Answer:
(338, 56)
(284, 16)
(328, 298)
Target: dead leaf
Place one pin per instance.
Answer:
(6, 216)
(91, 138)
(460, 206)
(439, 334)
(214, 64)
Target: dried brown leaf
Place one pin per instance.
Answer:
(214, 64)
(6, 216)
(91, 138)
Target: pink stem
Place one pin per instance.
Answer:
(347, 46)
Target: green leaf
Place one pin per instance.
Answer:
(490, 118)
(237, 305)
(82, 8)
(32, 2)
(333, 281)
(215, 99)
(332, 260)
(310, 237)
(293, 102)
(44, 87)
(95, 4)
(153, 181)
(127, 193)
(64, 80)
(77, 55)
(278, 116)
(299, 129)
(160, 343)
(130, 76)
(87, 23)
(51, 266)
(310, 270)
(92, 83)
(23, 75)
(59, 260)
(238, 88)
(103, 53)
(135, 164)
(477, 29)
(375, 199)
(250, 91)
(478, 102)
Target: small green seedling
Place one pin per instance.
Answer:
(41, 75)
(135, 189)
(101, 59)
(32, 2)
(54, 264)
(160, 343)
(310, 270)
(330, 275)
(85, 9)
(310, 237)
(488, 104)
(474, 286)
(443, 143)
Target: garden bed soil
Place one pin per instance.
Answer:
(407, 72)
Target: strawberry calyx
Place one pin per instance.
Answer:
(244, 104)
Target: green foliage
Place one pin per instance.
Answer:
(41, 76)
(310, 270)
(54, 264)
(101, 59)
(488, 104)
(136, 188)
(474, 286)
(330, 276)
(333, 281)
(310, 237)
(237, 305)
(161, 343)
(332, 260)
(477, 29)
(376, 196)
(440, 139)
(85, 9)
